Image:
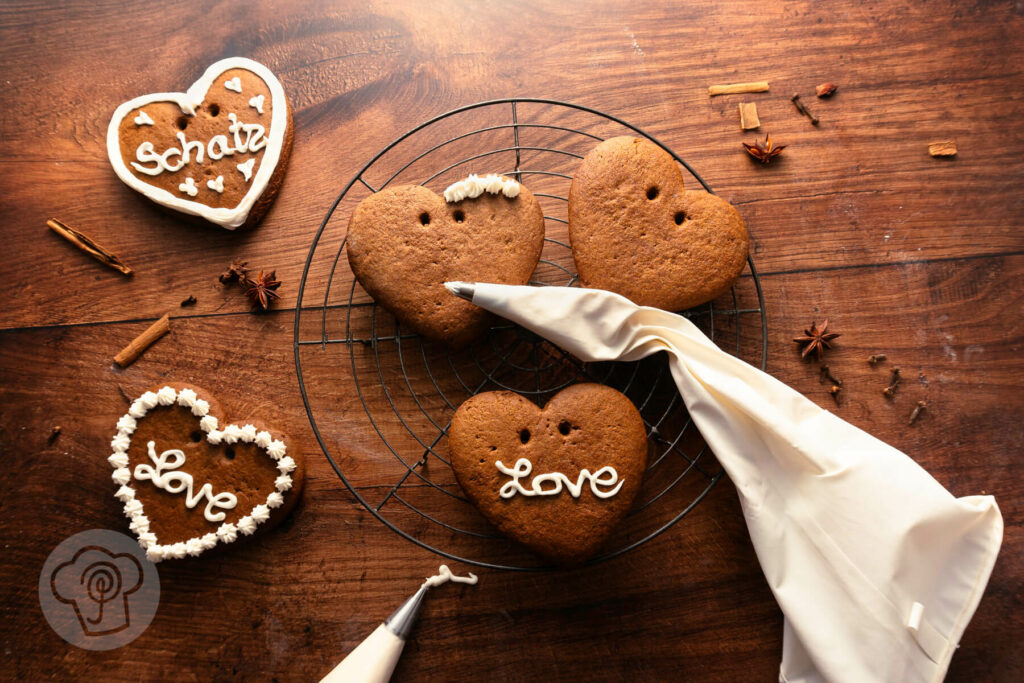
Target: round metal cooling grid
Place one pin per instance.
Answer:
(501, 334)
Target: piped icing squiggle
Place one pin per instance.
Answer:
(474, 186)
(444, 575)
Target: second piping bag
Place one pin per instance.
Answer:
(876, 566)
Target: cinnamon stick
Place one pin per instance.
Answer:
(748, 116)
(90, 247)
(943, 148)
(737, 88)
(129, 353)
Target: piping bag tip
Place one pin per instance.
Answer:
(464, 290)
(404, 618)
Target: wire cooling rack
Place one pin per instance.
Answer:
(355, 362)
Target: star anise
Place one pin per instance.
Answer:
(236, 272)
(260, 289)
(815, 339)
(764, 150)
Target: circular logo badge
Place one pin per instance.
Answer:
(98, 591)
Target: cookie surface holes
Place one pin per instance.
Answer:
(182, 122)
(196, 436)
(214, 109)
(524, 435)
(424, 218)
(459, 216)
(680, 217)
(229, 453)
(564, 427)
(652, 192)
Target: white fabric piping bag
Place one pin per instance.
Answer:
(877, 568)
(374, 659)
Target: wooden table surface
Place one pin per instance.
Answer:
(907, 255)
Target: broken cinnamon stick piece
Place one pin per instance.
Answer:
(88, 246)
(943, 148)
(737, 88)
(748, 116)
(143, 341)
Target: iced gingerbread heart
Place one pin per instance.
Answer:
(189, 483)
(636, 231)
(557, 480)
(217, 151)
(405, 242)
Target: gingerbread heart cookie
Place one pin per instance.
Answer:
(217, 151)
(636, 231)
(405, 242)
(188, 483)
(557, 480)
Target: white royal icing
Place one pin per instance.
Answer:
(246, 168)
(606, 476)
(143, 119)
(474, 186)
(162, 472)
(216, 185)
(444, 575)
(257, 103)
(189, 187)
(234, 84)
(244, 138)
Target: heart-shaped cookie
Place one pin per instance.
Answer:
(187, 483)
(217, 151)
(405, 242)
(636, 231)
(557, 480)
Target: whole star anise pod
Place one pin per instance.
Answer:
(765, 150)
(261, 289)
(815, 339)
(236, 272)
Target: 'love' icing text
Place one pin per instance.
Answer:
(176, 482)
(606, 476)
(245, 138)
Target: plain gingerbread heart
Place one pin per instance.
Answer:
(223, 455)
(636, 231)
(234, 194)
(405, 242)
(586, 426)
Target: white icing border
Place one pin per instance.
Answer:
(473, 186)
(225, 533)
(188, 101)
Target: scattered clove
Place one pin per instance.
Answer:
(236, 272)
(876, 358)
(921, 405)
(835, 392)
(190, 301)
(894, 380)
(825, 90)
(800, 107)
(826, 374)
(54, 433)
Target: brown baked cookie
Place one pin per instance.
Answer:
(190, 482)
(557, 480)
(636, 231)
(405, 242)
(217, 151)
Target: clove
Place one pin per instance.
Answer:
(803, 109)
(835, 393)
(826, 374)
(876, 358)
(921, 405)
(54, 433)
(894, 380)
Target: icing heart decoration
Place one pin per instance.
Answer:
(405, 242)
(556, 479)
(635, 230)
(187, 484)
(233, 124)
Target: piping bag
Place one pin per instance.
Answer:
(876, 567)
(375, 658)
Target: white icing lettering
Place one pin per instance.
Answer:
(246, 169)
(146, 154)
(189, 187)
(257, 103)
(186, 149)
(216, 185)
(143, 119)
(234, 84)
(606, 476)
(176, 482)
(247, 138)
(172, 152)
(219, 147)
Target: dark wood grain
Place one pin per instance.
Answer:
(910, 256)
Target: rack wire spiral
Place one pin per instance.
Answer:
(409, 387)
